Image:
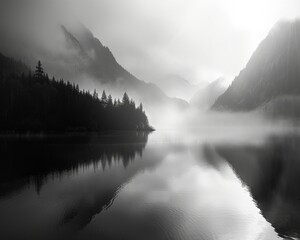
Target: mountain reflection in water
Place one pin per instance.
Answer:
(271, 173)
(124, 186)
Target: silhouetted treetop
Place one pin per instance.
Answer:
(39, 71)
(95, 94)
(109, 101)
(36, 103)
(104, 97)
(125, 99)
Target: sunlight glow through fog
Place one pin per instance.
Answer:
(197, 39)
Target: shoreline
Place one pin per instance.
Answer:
(42, 134)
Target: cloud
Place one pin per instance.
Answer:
(199, 40)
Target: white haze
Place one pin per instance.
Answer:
(199, 40)
(238, 126)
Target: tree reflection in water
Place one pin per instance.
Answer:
(31, 160)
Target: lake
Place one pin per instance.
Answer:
(205, 183)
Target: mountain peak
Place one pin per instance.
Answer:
(72, 41)
(273, 70)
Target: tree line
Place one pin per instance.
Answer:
(34, 102)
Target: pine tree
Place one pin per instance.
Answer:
(39, 71)
(95, 94)
(125, 99)
(132, 103)
(140, 107)
(104, 97)
(109, 101)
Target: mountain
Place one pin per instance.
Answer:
(285, 106)
(205, 97)
(177, 86)
(96, 59)
(72, 52)
(99, 64)
(272, 71)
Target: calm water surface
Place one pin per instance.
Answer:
(197, 184)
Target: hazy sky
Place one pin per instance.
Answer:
(197, 39)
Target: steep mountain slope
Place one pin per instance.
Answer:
(99, 64)
(98, 60)
(205, 97)
(272, 71)
(285, 106)
(73, 53)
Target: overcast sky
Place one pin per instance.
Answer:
(197, 39)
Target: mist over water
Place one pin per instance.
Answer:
(182, 184)
(215, 123)
(223, 161)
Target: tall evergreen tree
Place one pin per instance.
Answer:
(140, 107)
(95, 94)
(39, 71)
(109, 101)
(104, 97)
(125, 99)
(115, 103)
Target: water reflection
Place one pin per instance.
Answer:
(27, 159)
(62, 182)
(183, 197)
(125, 186)
(271, 173)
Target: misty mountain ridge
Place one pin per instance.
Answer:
(98, 60)
(177, 86)
(76, 55)
(204, 98)
(272, 71)
(103, 68)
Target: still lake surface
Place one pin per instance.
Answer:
(205, 184)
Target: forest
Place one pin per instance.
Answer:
(32, 102)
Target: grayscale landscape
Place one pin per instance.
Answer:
(147, 120)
